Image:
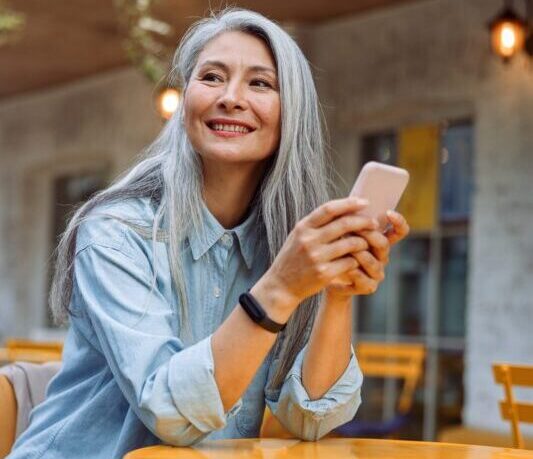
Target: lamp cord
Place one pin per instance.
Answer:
(529, 12)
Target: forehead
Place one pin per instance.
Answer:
(238, 46)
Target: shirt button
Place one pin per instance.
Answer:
(217, 292)
(227, 239)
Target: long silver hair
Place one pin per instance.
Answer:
(170, 171)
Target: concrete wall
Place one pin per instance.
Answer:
(101, 122)
(429, 61)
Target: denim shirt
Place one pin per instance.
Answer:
(131, 379)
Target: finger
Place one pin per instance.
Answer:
(345, 225)
(363, 285)
(339, 267)
(342, 247)
(371, 265)
(333, 209)
(379, 244)
(400, 228)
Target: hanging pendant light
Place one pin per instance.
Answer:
(167, 101)
(510, 33)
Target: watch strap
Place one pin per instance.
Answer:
(256, 312)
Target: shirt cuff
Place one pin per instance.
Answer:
(341, 394)
(194, 389)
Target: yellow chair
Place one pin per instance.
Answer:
(8, 419)
(30, 351)
(514, 375)
(384, 360)
(404, 361)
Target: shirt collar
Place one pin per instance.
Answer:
(246, 234)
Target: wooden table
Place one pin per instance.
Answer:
(330, 448)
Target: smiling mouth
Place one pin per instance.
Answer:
(228, 129)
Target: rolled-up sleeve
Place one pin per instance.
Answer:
(312, 419)
(169, 386)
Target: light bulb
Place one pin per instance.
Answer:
(168, 102)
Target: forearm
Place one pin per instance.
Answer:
(239, 345)
(329, 348)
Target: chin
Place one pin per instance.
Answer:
(225, 156)
(233, 156)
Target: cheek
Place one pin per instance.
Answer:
(194, 104)
(271, 115)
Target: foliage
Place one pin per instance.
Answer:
(144, 36)
(11, 24)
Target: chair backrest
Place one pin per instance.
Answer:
(30, 351)
(510, 375)
(401, 361)
(8, 419)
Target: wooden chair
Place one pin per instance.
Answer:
(27, 351)
(30, 351)
(8, 419)
(400, 361)
(511, 410)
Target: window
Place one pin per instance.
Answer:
(70, 192)
(423, 297)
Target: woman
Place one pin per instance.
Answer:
(231, 197)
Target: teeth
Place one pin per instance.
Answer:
(230, 128)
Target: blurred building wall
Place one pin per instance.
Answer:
(429, 61)
(101, 122)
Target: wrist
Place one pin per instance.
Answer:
(336, 310)
(277, 302)
(335, 297)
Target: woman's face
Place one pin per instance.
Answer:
(232, 104)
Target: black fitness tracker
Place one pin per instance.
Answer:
(258, 314)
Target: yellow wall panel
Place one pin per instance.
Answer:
(418, 148)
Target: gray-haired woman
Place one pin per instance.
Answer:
(179, 276)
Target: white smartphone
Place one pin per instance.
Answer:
(382, 185)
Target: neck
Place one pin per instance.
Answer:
(228, 190)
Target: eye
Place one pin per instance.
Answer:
(261, 83)
(210, 76)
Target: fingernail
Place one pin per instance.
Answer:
(390, 213)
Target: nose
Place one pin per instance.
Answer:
(233, 97)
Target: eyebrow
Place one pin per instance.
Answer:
(254, 68)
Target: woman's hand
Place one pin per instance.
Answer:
(317, 250)
(399, 228)
(372, 262)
